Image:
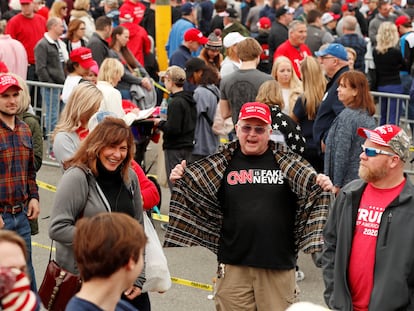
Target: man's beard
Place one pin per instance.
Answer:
(8, 114)
(372, 175)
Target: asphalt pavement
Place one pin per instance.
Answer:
(193, 266)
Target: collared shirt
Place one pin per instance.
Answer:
(17, 172)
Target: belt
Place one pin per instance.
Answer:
(12, 209)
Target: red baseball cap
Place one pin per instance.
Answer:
(348, 7)
(307, 1)
(389, 135)
(194, 34)
(255, 110)
(82, 56)
(264, 23)
(7, 81)
(25, 1)
(401, 20)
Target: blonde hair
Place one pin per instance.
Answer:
(387, 37)
(56, 8)
(270, 94)
(84, 101)
(81, 4)
(110, 68)
(24, 94)
(352, 51)
(232, 53)
(295, 85)
(314, 85)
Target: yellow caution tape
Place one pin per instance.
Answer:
(45, 186)
(160, 87)
(206, 287)
(163, 218)
(189, 283)
(43, 246)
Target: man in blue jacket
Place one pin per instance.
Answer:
(334, 61)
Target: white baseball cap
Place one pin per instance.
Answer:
(232, 38)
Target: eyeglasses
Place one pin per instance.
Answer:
(246, 129)
(373, 152)
(327, 57)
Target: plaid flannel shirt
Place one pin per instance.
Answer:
(195, 215)
(17, 172)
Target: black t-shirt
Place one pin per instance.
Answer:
(259, 212)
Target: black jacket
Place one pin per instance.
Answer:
(180, 125)
(278, 34)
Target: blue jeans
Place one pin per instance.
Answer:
(20, 224)
(390, 108)
(53, 107)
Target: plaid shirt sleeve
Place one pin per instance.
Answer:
(17, 172)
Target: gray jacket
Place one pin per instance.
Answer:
(343, 145)
(49, 66)
(394, 257)
(375, 23)
(77, 191)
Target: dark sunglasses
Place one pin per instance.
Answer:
(373, 152)
(246, 129)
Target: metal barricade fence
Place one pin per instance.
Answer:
(46, 106)
(397, 105)
(37, 90)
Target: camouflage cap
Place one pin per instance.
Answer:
(389, 135)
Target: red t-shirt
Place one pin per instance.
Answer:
(362, 259)
(139, 44)
(28, 31)
(295, 54)
(137, 8)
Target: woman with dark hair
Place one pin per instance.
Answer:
(211, 53)
(206, 95)
(343, 144)
(75, 36)
(324, 6)
(98, 178)
(135, 73)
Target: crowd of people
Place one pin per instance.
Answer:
(285, 83)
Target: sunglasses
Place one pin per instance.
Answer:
(246, 129)
(373, 152)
